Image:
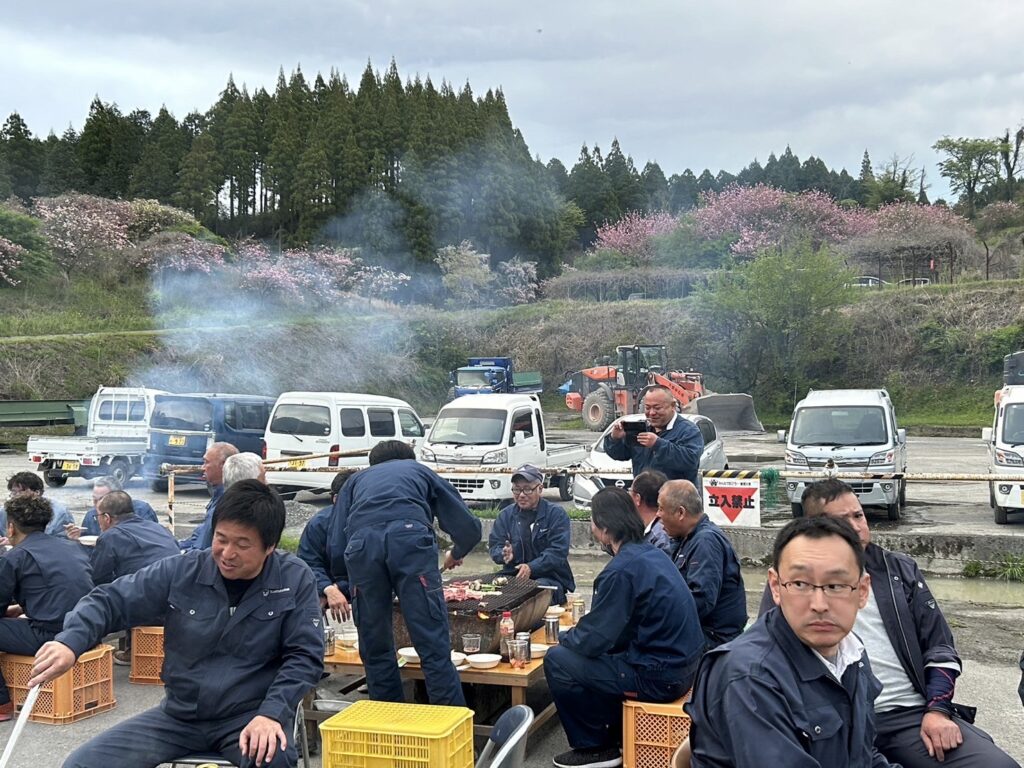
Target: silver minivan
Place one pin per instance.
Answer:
(850, 430)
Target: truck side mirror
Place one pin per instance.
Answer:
(780, 436)
(986, 434)
(518, 437)
(901, 436)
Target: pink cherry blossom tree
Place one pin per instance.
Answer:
(633, 235)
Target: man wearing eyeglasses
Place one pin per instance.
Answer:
(530, 539)
(796, 689)
(912, 652)
(670, 444)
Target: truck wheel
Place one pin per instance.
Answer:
(903, 494)
(893, 511)
(55, 482)
(598, 411)
(120, 470)
(159, 485)
(565, 487)
(797, 508)
(1000, 515)
(991, 496)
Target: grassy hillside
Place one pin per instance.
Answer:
(939, 350)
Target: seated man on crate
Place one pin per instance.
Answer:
(796, 689)
(41, 579)
(243, 642)
(29, 484)
(641, 639)
(531, 537)
(912, 651)
(101, 486)
(644, 493)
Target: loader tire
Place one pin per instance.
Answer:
(598, 411)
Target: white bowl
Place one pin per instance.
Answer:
(458, 658)
(483, 660)
(410, 655)
(89, 541)
(537, 650)
(554, 610)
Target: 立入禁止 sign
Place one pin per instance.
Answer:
(733, 497)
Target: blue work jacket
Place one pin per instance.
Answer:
(315, 551)
(657, 536)
(709, 565)
(676, 452)
(129, 545)
(766, 699)
(261, 659)
(202, 534)
(46, 576)
(642, 609)
(550, 539)
(143, 509)
(401, 489)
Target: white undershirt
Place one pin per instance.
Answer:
(897, 688)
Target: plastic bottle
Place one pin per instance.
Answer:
(507, 630)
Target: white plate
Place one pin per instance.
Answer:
(89, 541)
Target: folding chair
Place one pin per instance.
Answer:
(506, 746)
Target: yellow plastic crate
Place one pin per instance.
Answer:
(382, 734)
(651, 733)
(147, 655)
(83, 691)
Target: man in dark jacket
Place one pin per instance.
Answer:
(213, 473)
(644, 492)
(243, 643)
(672, 444)
(384, 523)
(795, 690)
(706, 560)
(531, 537)
(314, 550)
(101, 486)
(912, 652)
(127, 542)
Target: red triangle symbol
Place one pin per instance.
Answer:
(732, 500)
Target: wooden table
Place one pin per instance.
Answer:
(504, 676)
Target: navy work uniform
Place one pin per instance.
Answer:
(708, 564)
(676, 452)
(202, 535)
(386, 514)
(641, 640)
(46, 576)
(765, 698)
(315, 550)
(224, 664)
(91, 525)
(540, 538)
(129, 545)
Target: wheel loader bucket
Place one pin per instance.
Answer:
(731, 413)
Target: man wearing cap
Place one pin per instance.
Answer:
(530, 538)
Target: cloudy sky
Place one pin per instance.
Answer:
(708, 84)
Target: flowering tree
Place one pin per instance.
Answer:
(520, 281)
(633, 235)
(465, 273)
(147, 217)
(178, 252)
(765, 217)
(376, 282)
(11, 255)
(83, 230)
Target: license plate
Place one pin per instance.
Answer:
(70, 466)
(297, 464)
(176, 440)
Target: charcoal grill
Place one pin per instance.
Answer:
(523, 598)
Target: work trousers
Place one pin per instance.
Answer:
(17, 636)
(154, 737)
(588, 693)
(400, 557)
(898, 737)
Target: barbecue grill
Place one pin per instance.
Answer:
(523, 598)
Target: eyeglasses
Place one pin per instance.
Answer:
(806, 589)
(525, 491)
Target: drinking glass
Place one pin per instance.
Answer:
(517, 653)
(471, 643)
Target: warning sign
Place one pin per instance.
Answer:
(733, 498)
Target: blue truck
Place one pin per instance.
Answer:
(491, 375)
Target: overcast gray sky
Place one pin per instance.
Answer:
(708, 84)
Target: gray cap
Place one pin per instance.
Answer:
(530, 473)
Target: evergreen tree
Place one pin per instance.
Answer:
(752, 175)
(6, 188)
(683, 192)
(61, 170)
(814, 174)
(591, 190)
(655, 187)
(156, 174)
(199, 180)
(558, 175)
(23, 155)
(625, 181)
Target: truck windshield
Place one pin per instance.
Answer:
(847, 425)
(298, 419)
(1013, 424)
(185, 413)
(472, 379)
(469, 426)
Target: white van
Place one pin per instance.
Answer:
(1005, 440)
(320, 422)
(856, 430)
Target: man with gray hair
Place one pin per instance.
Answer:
(213, 473)
(101, 486)
(244, 466)
(706, 560)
